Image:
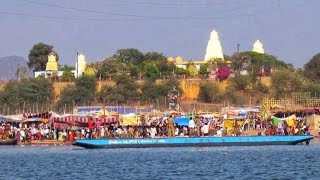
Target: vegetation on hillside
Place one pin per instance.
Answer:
(138, 78)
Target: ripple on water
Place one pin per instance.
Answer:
(69, 162)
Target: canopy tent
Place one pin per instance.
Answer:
(13, 118)
(209, 115)
(289, 120)
(129, 120)
(83, 110)
(182, 121)
(231, 123)
(311, 111)
(31, 120)
(84, 119)
(37, 115)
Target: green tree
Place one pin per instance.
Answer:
(67, 74)
(9, 97)
(109, 94)
(152, 72)
(151, 91)
(67, 97)
(164, 67)
(192, 70)
(85, 90)
(204, 69)
(113, 66)
(180, 71)
(123, 91)
(257, 61)
(311, 69)
(32, 94)
(38, 56)
(209, 92)
(33, 90)
(154, 56)
(129, 55)
(312, 88)
(240, 82)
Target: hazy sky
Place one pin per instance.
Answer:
(288, 29)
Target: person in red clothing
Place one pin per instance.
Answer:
(90, 126)
(71, 135)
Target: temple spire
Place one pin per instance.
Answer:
(52, 64)
(214, 49)
(81, 65)
(258, 47)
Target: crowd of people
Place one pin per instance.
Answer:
(146, 128)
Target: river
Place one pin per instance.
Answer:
(70, 162)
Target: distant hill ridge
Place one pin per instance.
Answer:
(9, 65)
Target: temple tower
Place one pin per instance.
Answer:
(214, 49)
(52, 64)
(81, 65)
(258, 47)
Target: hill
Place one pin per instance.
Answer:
(9, 66)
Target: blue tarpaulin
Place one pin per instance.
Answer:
(2, 118)
(182, 121)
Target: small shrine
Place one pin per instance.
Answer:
(258, 47)
(52, 64)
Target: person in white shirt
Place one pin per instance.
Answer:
(205, 129)
(219, 132)
(83, 133)
(23, 135)
(176, 132)
(102, 132)
(192, 126)
(153, 132)
(46, 133)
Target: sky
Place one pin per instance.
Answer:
(288, 29)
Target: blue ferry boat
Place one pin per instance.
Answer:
(192, 141)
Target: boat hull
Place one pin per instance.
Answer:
(8, 142)
(192, 141)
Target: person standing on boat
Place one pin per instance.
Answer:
(191, 127)
(153, 131)
(102, 132)
(206, 129)
(171, 129)
(219, 132)
(198, 123)
(90, 126)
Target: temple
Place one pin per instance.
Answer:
(52, 64)
(81, 65)
(51, 67)
(213, 52)
(258, 47)
(214, 49)
(181, 63)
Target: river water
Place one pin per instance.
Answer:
(70, 162)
